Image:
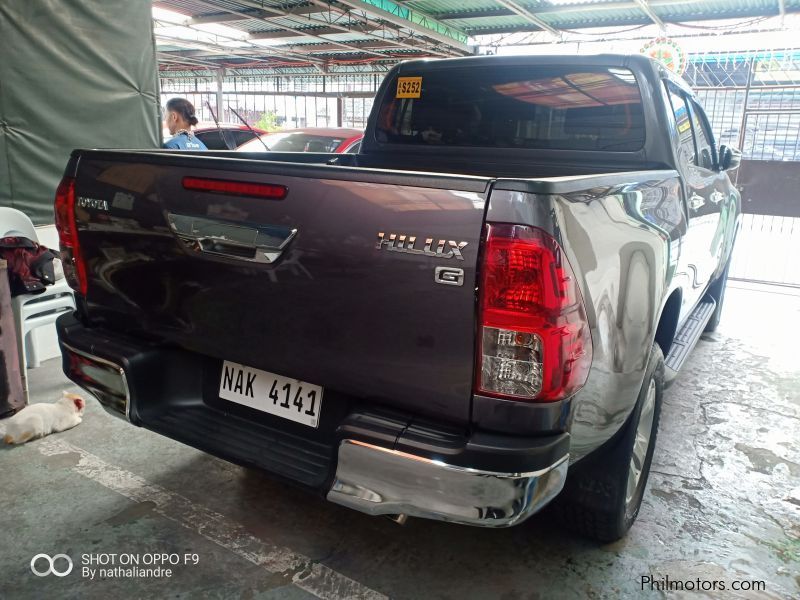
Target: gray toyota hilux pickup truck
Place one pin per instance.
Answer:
(473, 317)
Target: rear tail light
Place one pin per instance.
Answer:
(534, 339)
(71, 259)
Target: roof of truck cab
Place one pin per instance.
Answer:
(613, 60)
(644, 63)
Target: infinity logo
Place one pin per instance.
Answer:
(52, 567)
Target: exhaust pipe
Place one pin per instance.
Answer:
(399, 519)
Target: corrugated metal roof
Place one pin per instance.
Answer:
(442, 6)
(257, 25)
(480, 16)
(293, 37)
(490, 22)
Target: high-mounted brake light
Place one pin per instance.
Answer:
(235, 188)
(71, 258)
(534, 339)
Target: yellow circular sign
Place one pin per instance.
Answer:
(667, 52)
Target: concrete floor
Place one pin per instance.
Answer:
(723, 503)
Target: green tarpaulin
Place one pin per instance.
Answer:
(73, 74)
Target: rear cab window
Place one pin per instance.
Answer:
(534, 107)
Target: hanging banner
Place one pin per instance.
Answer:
(72, 75)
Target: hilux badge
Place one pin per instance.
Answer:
(405, 243)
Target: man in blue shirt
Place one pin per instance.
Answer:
(179, 120)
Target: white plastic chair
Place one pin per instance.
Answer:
(33, 310)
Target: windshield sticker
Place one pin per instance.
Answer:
(409, 87)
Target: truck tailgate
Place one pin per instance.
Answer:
(300, 286)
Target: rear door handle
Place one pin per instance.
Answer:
(231, 239)
(695, 202)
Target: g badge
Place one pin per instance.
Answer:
(449, 276)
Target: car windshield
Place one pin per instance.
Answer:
(538, 107)
(293, 142)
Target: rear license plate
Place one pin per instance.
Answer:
(291, 399)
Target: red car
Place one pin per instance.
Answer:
(226, 137)
(308, 139)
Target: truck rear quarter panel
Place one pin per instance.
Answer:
(621, 234)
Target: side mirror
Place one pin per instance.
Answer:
(729, 158)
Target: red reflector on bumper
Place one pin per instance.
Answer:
(236, 188)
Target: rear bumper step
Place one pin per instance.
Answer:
(376, 461)
(240, 441)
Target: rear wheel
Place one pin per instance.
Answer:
(604, 491)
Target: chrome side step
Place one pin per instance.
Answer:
(686, 338)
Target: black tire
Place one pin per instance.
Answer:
(717, 291)
(594, 501)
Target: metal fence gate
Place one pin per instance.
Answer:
(288, 102)
(753, 103)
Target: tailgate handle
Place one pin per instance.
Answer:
(224, 247)
(231, 239)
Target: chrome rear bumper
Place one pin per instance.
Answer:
(100, 377)
(380, 481)
(434, 472)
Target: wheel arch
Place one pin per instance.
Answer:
(667, 324)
